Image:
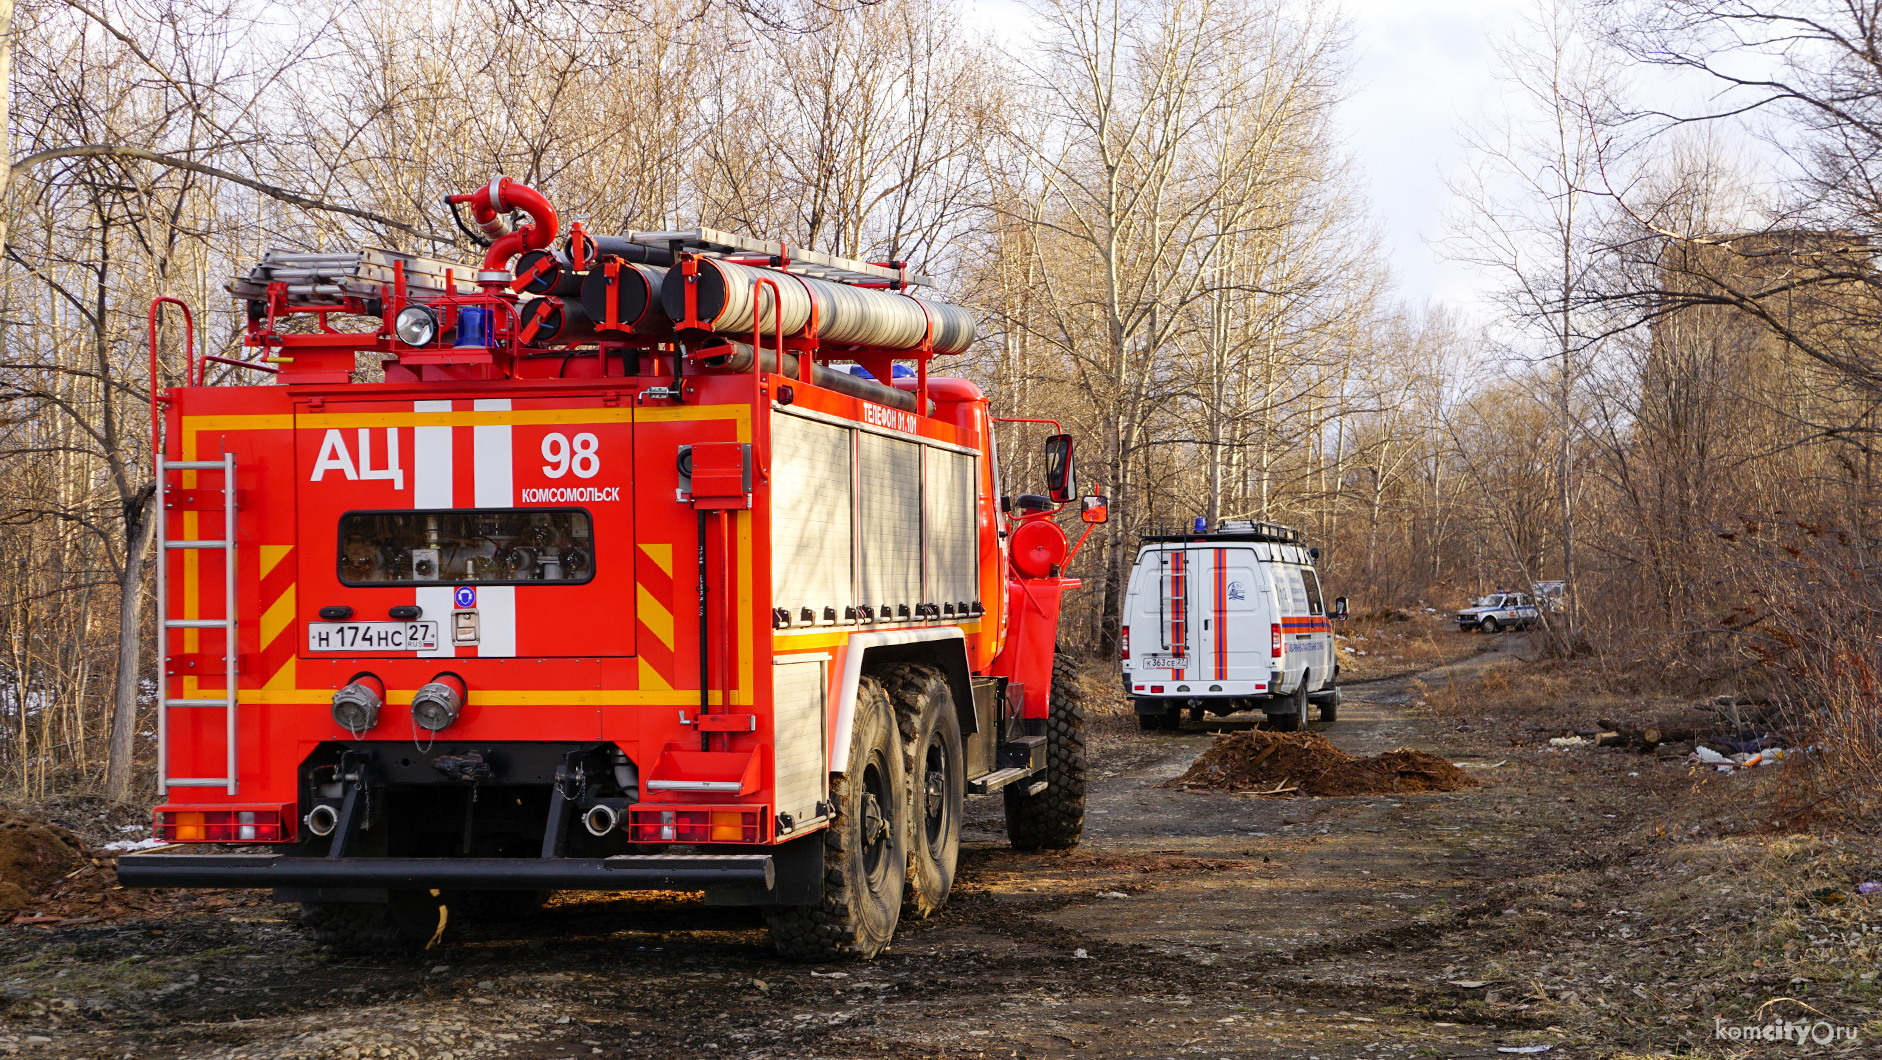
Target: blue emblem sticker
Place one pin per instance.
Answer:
(466, 596)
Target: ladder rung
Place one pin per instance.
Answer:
(193, 465)
(196, 703)
(197, 782)
(198, 623)
(195, 544)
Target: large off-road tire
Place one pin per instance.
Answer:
(1151, 722)
(408, 921)
(865, 857)
(1054, 819)
(937, 781)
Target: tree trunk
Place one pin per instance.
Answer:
(138, 537)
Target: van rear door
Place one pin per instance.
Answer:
(1233, 646)
(1161, 615)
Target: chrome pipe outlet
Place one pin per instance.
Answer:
(600, 820)
(322, 820)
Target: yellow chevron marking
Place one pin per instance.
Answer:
(270, 556)
(662, 556)
(654, 615)
(650, 679)
(278, 617)
(283, 678)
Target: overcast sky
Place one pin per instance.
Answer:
(1421, 68)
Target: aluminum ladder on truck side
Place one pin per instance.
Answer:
(165, 623)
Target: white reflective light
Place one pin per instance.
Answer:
(416, 325)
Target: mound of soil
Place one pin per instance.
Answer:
(35, 858)
(1306, 762)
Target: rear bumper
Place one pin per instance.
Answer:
(628, 872)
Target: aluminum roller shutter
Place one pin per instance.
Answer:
(797, 727)
(953, 549)
(889, 506)
(811, 517)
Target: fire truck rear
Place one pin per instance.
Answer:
(617, 580)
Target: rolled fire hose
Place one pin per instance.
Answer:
(559, 321)
(725, 291)
(635, 292)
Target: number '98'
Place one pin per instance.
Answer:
(582, 457)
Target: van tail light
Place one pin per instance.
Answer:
(1275, 649)
(1124, 643)
(218, 826)
(669, 823)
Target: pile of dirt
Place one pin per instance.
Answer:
(1304, 763)
(36, 859)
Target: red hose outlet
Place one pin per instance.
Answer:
(502, 196)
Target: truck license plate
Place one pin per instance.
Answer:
(1165, 662)
(372, 636)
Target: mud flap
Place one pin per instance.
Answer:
(798, 880)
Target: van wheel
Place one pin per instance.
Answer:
(1294, 717)
(937, 783)
(1489, 624)
(1330, 709)
(865, 857)
(1054, 819)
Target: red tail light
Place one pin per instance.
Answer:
(1276, 650)
(1124, 643)
(708, 824)
(218, 826)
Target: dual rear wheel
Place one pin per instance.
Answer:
(893, 843)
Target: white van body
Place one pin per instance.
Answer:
(1227, 621)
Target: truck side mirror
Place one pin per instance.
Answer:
(1059, 472)
(1092, 510)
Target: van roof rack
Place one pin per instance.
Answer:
(1226, 530)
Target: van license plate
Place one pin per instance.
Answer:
(372, 636)
(1165, 662)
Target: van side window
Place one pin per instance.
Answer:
(1296, 590)
(1313, 592)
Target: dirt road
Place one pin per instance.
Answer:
(1188, 924)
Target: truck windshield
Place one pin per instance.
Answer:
(1490, 601)
(513, 546)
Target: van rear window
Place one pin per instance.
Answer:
(501, 546)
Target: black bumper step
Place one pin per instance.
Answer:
(627, 872)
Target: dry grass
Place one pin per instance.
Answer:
(1373, 648)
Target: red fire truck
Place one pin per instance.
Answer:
(594, 568)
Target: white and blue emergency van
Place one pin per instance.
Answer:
(1216, 622)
